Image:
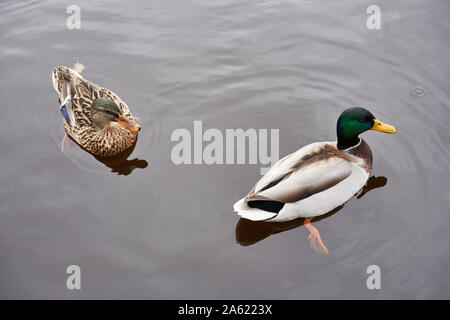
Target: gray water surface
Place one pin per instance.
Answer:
(148, 228)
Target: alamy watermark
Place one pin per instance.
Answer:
(374, 20)
(74, 279)
(74, 20)
(374, 280)
(234, 146)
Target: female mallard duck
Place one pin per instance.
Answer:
(96, 118)
(317, 178)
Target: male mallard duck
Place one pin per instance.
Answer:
(96, 118)
(317, 178)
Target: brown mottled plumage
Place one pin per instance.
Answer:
(104, 142)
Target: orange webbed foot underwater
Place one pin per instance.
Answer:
(315, 240)
(64, 142)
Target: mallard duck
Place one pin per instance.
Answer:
(318, 177)
(94, 117)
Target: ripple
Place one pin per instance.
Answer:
(419, 92)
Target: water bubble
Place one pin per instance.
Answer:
(418, 91)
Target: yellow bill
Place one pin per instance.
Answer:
(383, 127)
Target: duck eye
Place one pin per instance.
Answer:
(362, 119)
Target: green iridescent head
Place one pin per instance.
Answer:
(354, 121)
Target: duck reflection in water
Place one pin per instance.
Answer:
(250, 232)
(119, 163)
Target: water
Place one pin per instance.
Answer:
(147, 228)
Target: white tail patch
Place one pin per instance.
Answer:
(254, 214)
(55, 81)
(78, 67)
